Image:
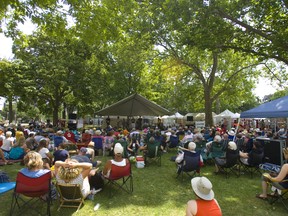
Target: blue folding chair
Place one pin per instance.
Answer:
(7, 186)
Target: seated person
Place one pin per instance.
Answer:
(33, 165)
(231, 149)
(19, 149)
(133, 146)
(82, 157)
(73, 172)
(187, 138)
(246, 158)
(8, 143)
(90, 151)
(190, 151)
(217, 139)
(31, 142)
(279, 182)
(118, 160)
(204, 204)
(4, 159)
(47, 157)
(61, 154)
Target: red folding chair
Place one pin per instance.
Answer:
(121, 177)
(29, 194)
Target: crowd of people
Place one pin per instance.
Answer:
(45, 149)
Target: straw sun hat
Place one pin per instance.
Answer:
(202, 187)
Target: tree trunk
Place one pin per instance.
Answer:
(55, 115)
(208, 108)
(10, 106)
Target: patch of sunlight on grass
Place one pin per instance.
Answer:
(232, 199)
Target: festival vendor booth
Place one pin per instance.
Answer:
(273, 149)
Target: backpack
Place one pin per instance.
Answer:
(96, 181)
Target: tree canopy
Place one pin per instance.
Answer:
(185, 55)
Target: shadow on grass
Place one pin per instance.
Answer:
(157, 191)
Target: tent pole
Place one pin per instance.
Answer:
(236, 129)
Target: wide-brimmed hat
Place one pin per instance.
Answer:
(98, 132)
(202, 187)
(231, 133)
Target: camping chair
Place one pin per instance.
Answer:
(33, 188)
(216, 150)
(124, 144)
(120, 177)
(153, 153)
(190, 164)
(173, 142)
(98, 144)
(70, 196)
(254, 164)
(231, 165)
(280, 194)
(200, 147)
(240, 143)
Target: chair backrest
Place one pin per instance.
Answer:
(216, 149)
(255, 158)
(153, 150)
(240, 143)
(118, 172)
(191, 161)
(225, 144)
(232, 158)
(69, 191)
(33, 187)
(174, 141)
(124, 144)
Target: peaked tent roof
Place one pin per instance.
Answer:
(226, 113)
(134, 105)
(273, 109)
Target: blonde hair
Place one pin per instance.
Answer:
(33, 160)
(21, 141)
(68, 174)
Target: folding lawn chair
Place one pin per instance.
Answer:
(153, 153)
(36, 190)
(121, 177)
(6, 186)
(280, 194)
(190, 164)
(70, 196)
(232, 160)
(254, 164)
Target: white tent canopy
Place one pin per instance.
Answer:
(226, 114)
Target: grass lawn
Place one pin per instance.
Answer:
(158, 192)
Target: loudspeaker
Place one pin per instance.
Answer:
(72, 116)
(72, 126)
(273, 150)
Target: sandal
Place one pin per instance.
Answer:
(260, 197)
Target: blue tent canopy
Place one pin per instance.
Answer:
(274, 109)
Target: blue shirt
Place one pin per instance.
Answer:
(34, 174)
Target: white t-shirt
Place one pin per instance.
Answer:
(7, 144)
(43, 152)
